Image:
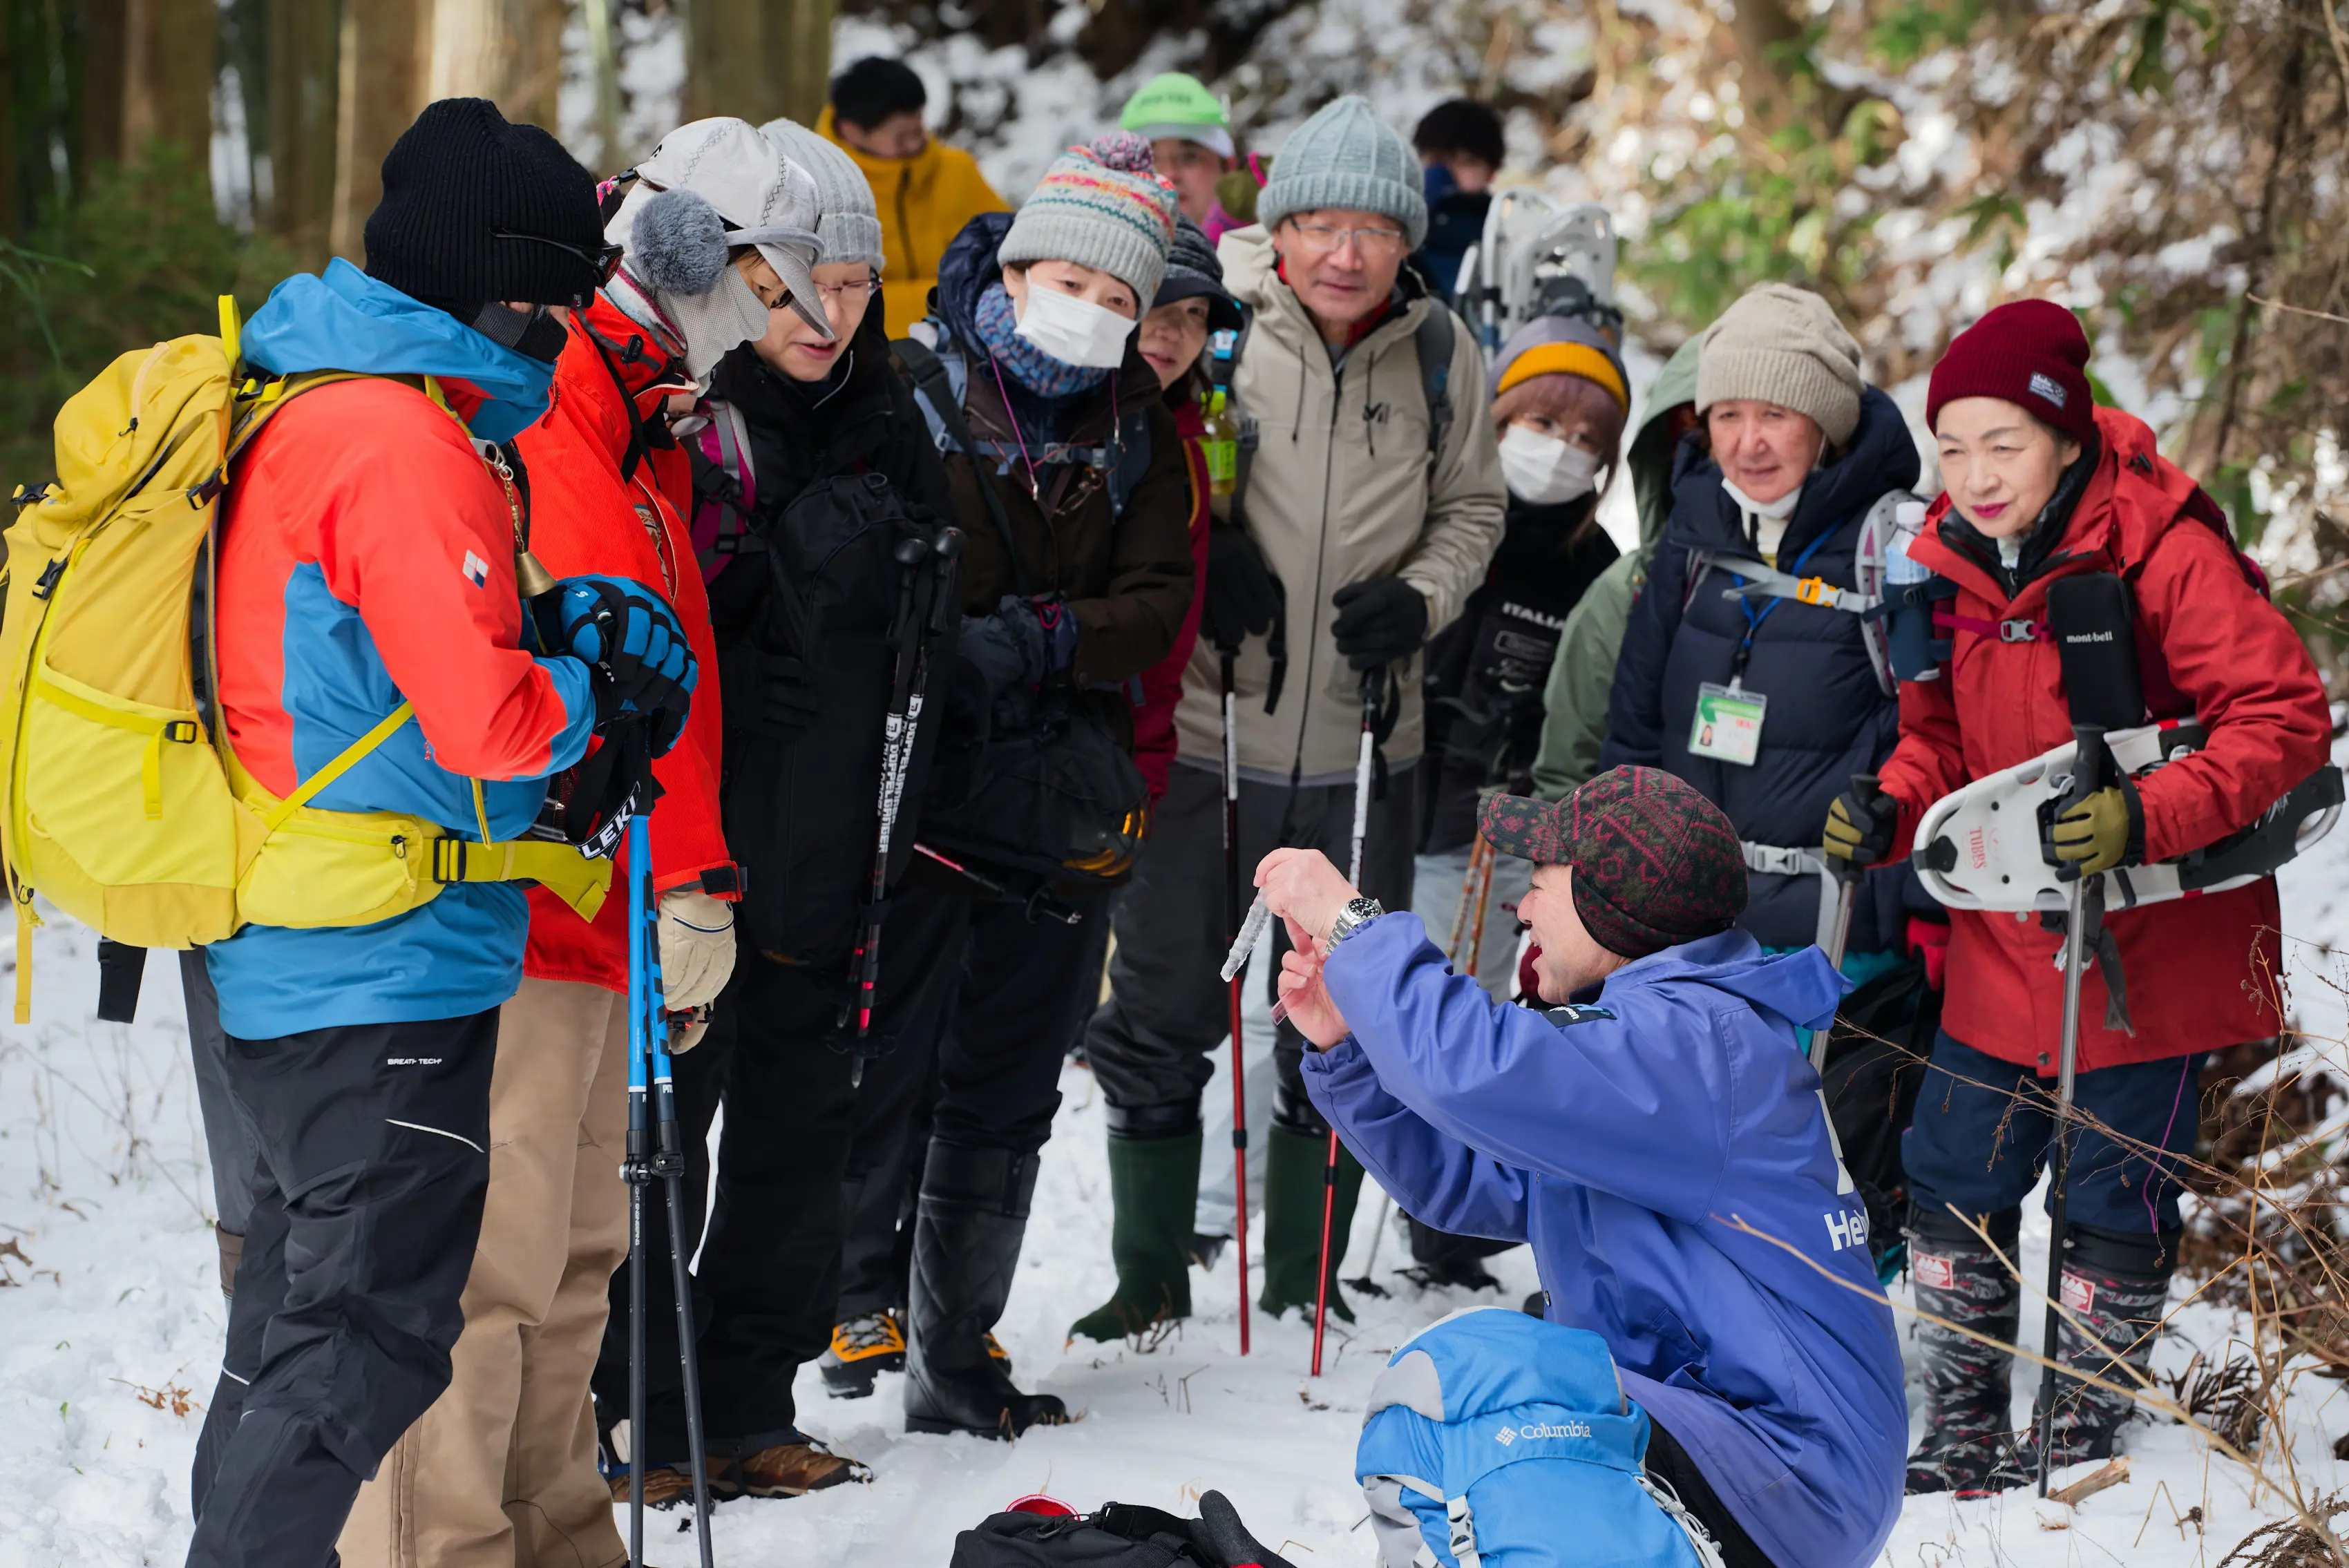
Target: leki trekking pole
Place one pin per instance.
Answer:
(1354, 877)
(1232, 986)
(2083, 914)
(1838, 886)
(654, 1149)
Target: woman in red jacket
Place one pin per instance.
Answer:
(2042, 485)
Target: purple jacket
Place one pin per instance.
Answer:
(1619, 1141)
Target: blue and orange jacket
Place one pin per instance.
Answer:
(366, 556)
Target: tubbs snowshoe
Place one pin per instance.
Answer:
(861, 1350)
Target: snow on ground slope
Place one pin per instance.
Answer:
(110, 1323)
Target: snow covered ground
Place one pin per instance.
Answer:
(110, 1325)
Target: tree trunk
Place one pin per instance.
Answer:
(756, 59)
(102, 59)
(508, 51)
(170, 59)
(1764, 31)
(303, 87)
(375, 99)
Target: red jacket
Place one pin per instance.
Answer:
(584, 519)
(1161, 683)
(2199, 971)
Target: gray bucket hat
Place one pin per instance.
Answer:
(763, 197)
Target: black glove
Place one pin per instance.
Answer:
(1860, 828)
(1379, 622)
(1243, 596)
(1220, 1530)
(1009, 649)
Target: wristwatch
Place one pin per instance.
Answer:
(1357, 913)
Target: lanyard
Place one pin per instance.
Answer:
(1755, 618)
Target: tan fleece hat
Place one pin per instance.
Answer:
(1783, 344)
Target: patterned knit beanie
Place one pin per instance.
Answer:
(850, 222)
(2030, 352)
(1099, 206)
(1346, 156)
(1783, 344)
(1655, 862)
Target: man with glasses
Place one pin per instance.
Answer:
(1369, 504)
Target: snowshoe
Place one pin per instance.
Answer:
(861, 1350)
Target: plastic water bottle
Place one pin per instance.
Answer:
(1908, 627)
(1222, 444)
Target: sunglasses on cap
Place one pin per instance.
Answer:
(602, 261)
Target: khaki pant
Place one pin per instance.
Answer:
(500, 1471)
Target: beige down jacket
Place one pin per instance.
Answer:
(1341, 491)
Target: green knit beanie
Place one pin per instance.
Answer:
(1346, 156)
(1178, 105)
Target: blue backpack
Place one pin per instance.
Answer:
(1498, 1440)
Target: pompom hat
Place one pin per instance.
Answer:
(1101, 206)
(2030, 352)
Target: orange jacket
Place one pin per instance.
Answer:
(924, 202)
(2198, 971)
(585, 519)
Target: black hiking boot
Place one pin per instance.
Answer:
(1294, 1186)
(2121, 1308)
(1153, 1186)
(973, 1216)
(1969, 1439)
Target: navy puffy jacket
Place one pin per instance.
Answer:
(1828, 718)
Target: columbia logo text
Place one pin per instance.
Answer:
(1508, 1434)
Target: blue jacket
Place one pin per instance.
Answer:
(1620, 1146)
(366, 556)
(1828, 718)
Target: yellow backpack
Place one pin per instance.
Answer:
(119, 801)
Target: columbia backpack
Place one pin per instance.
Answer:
(120, 797)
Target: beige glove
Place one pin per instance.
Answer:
(686, 1029)
(696, 947)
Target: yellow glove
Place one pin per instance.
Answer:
(1860, 830)
(2102, 831)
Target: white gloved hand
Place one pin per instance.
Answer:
(696, 947)
(686, 1029)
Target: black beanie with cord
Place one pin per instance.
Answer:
(477, 210)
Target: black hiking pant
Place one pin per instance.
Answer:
(1150, 1042)
(367, 1204)
(768, 1282)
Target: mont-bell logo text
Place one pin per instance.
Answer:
(1508, 1434)
(2045, 385)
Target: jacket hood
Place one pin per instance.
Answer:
(1800, 989)
(345, 320)
(645, 366)
(965, 270)
(1651, 452)
(1881, 456)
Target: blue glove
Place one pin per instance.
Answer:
(628, 632)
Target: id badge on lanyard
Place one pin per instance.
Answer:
(1728, 723)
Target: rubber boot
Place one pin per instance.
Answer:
(1294, 1166)
(2115, 1286)
(1153, 1186)
(1969, 1439)
(973, 1216)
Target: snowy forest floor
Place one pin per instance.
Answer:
(111, 1324)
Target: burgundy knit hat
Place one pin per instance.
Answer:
(1655, 862)
(2030, 352)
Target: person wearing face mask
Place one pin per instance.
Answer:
(1077, 587)
(374, 648)
(1766, 703)
(1560, 396)
(2042, 483)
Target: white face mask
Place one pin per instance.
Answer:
(1545, 470)
(1777, 510)
(1074, 331)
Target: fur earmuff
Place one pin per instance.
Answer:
(679, 241)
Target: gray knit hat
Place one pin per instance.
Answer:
(1099, 206)
(1346, 156)
(850, 226)
(1783, 344)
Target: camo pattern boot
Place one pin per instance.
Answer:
(1969, 1400)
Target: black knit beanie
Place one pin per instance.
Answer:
(456, 181)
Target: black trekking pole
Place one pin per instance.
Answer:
(1232, 930)
(2082, 914)
(1837, 891)
(1362, 761)
(908, 688)
(654, 1149)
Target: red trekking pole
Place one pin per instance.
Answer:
(1232, 930)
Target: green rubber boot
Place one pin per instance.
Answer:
(1293, 1183)
(1154, 1187)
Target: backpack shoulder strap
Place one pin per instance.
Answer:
(1133, 459)
(941, 402)
(1433, 339)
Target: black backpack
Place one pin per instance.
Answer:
(1120, 1535)
(1876, 1052)
(860, 610)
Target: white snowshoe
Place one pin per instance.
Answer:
(1536, 259)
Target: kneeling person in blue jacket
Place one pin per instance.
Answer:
(1658, 1136)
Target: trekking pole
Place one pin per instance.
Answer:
(1483, 895)
(1838, 887)
(1232, 929)
(1460, 911)
(1353, 877)
(2085, 908)
(654, 1149)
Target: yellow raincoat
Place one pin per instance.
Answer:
(924, 202)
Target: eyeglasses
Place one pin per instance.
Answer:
(861, 288)
(1322, 239)
(603, 260)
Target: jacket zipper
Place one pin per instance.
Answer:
(1321, 564)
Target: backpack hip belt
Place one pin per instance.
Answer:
(1782, 860)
